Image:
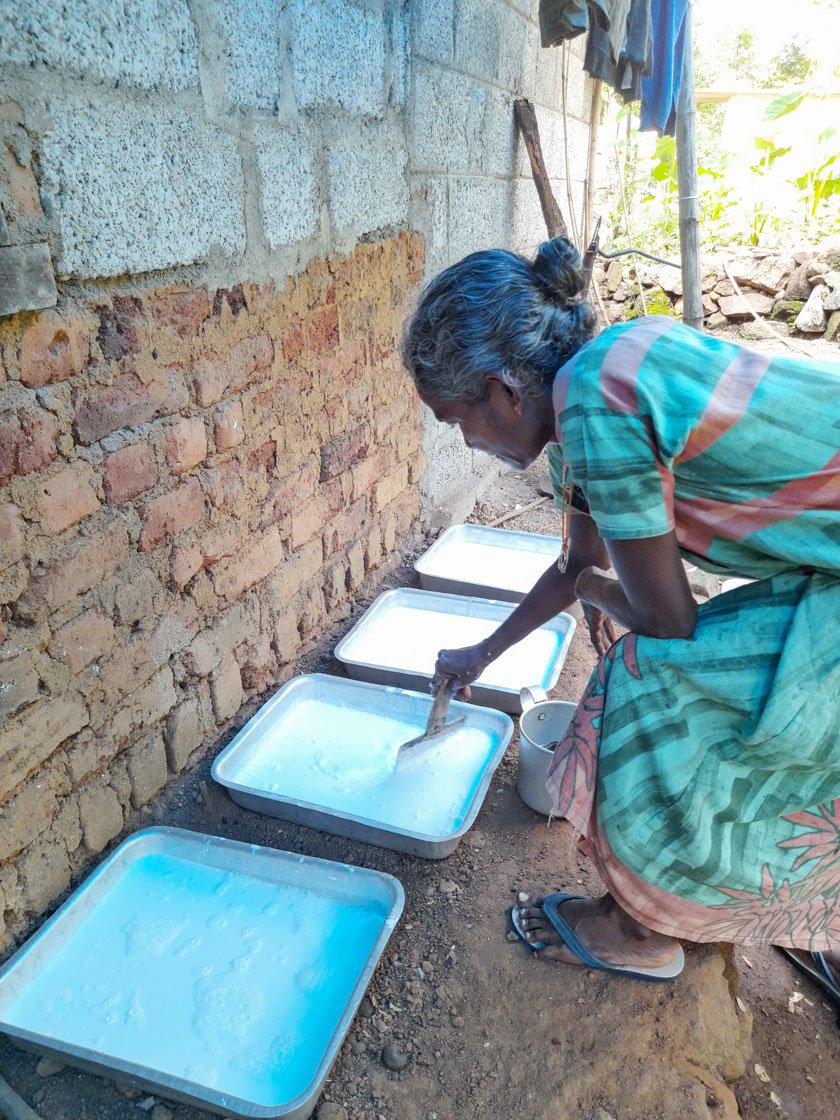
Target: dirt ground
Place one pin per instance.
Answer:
(481, 1027)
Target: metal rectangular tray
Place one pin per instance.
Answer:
(397, 639)
(492, 563)
(322, 752)
(222, 974)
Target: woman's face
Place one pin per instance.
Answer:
(505, 424)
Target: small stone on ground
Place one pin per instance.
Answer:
(47, 1067)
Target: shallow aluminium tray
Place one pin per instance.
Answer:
(493, 563)
(397, 639)
(209, 971)
(323, 752)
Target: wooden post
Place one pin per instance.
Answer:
(526, 121)
(688, 188)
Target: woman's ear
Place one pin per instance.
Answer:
(504, 393)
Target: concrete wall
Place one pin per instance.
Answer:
(207, 445)
(471, 184)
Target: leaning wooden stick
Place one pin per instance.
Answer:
(526, 122)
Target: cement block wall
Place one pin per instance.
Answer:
(471, 184)
(207, 446)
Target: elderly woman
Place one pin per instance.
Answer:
(702, 767)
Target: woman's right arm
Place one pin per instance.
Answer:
(553, 592)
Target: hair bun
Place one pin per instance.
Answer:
(556, 269)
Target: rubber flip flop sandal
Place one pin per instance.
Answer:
(815, 966)
(551, 908)
(515, 912)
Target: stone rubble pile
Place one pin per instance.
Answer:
(798, 292)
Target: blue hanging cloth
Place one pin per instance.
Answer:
(661, 89)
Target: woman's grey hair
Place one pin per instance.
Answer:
(496, 314)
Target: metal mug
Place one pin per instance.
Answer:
(542, 723)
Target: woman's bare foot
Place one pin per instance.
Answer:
(606, 930)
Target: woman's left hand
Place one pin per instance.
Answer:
(594, 589)
(602, 632)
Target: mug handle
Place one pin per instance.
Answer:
(528, 697)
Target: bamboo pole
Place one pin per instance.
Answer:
(687, 183)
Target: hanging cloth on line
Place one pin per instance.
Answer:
(661, 90)
(635, 46)
(625, 74)
(619, 43)
(566, 19)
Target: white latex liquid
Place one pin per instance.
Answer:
(409, 639)
(345, 759)
(492, 565)
(227, 981)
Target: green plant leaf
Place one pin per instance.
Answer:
(784, 104)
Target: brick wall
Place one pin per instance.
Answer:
(192, 482)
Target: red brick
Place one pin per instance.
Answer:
(10, 436)
(28, 740)
(228, 430)
(170, 514)
(338, 415)
(366, 472)
(288, 493)
(223, 540)
(373, 549)
(357, 398)
(355, 566)
(223, 484)
(53, 349)
(293, 342)
(130, 471)
(245, 363)
(390, 487)
(311, 516)
(89, 561)
(334, 583)
(259, 663)
(11, 536)
(183, 311)
(129, 402)
(118, 327)
(347, 526)
(345, 367)
(13, 582)
(285, 396)
(67, 498)
(263, 458)
(409, 442)
(186, 444)
(184, 563)
(39, 430)
(342, 452)
(322, 330)
(129, 667)
(261, 558)
(81, 641)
